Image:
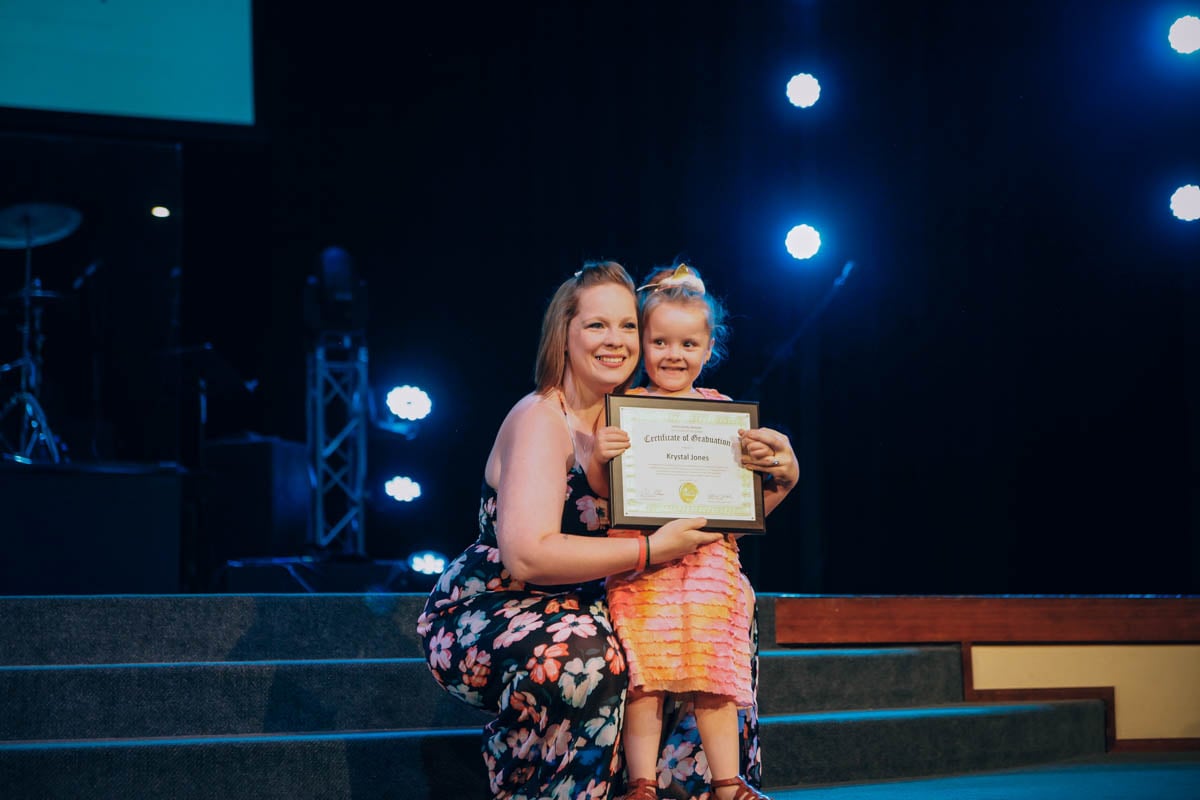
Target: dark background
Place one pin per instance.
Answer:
(1002, 396)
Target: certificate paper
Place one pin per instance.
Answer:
(684, 460)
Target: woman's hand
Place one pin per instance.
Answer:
(678, 538)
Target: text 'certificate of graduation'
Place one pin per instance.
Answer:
(684, 460)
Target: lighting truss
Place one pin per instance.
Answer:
(338, 415)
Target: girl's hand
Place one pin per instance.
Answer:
(610, 443)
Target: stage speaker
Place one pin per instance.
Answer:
(105, 529)
(255, 500)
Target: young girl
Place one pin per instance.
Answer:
(685, 626)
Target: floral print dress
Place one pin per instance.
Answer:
(545, 660)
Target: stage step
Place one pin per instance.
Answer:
(878, 677)
(844, 746)
(125, 629)
(329, 696)
(250, 697)
(189, 699)
(105, 629)
(382, 765)
(805, 749)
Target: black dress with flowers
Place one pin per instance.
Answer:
(545, 660)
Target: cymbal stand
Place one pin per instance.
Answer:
(35, 429)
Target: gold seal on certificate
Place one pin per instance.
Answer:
(684, 460)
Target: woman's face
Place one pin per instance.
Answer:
(602, 339)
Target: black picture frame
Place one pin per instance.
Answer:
(673, 409)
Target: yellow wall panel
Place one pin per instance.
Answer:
(1157, 687)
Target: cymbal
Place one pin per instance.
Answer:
(35, 294)
(36, 224)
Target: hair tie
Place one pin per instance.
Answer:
(683, 276)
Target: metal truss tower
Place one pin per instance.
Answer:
(338, 416)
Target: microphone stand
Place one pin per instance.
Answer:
(83, 283)
(784, 351)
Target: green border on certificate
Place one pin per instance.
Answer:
(684, 460)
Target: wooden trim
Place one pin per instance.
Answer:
(968, 668)
(1156, 745)
(910, 620)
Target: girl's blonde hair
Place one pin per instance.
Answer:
(681, 283)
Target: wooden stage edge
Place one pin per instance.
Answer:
(868, 619)
(976, 620)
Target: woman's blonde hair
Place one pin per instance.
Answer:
(551, 364)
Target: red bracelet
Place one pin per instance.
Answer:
(643, 555)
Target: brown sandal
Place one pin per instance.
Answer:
(745, 791)
(641, 789)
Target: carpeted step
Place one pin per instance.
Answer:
(839, 747)
(122, 629)
(798, 680)
(802, 749)
(246, 697)
(145, 700)
(329, 696)
(381, 765)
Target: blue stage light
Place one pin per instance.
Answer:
(803, 241)
(427, 562)
(1185, 203)
(402, 489)
(1184, 35)
(409, 402)
(803, 90)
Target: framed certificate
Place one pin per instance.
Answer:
(684, 460)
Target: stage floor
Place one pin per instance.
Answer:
(1126, 776)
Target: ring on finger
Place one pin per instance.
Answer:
(775, 463)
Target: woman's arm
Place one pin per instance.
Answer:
(534, 450)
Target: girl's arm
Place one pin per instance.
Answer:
(610, 442)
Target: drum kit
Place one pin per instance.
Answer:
(25, 434)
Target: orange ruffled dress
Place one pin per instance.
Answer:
(685, 625)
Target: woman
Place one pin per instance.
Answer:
(517, 625)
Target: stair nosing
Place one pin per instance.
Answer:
(192, 740)
(287, 662)
(902, 712)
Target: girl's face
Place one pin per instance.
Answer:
(677, 345)
(602, 338)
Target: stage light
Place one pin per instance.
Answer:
(1185, 35)
(162, 212)
(803, 90)
(402, 489)
(803, 241)
(1185, 203)
(409, 402)
(427, 562)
